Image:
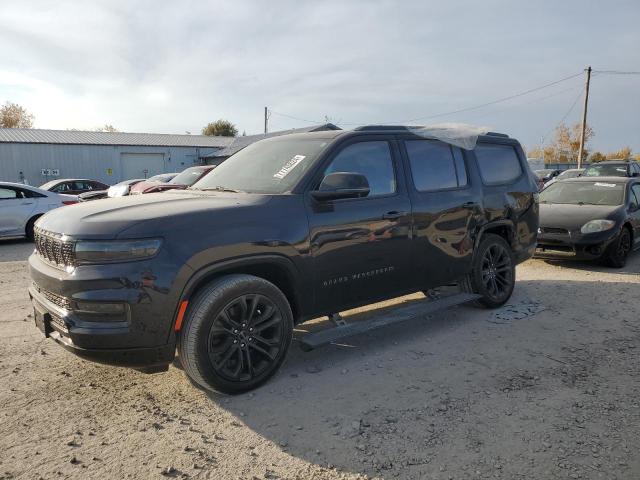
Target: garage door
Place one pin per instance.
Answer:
(141, 165)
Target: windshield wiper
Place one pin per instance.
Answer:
(221, 189)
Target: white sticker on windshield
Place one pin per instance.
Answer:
(290, 165)
(599, 184)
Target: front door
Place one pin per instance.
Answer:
(361, 246)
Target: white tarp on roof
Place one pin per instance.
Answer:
(458, 134)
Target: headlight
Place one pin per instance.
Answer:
(595, 226)
(110, 251)
(117, 190)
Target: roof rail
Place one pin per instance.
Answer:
(377, 128)
(496, 134)
(373, 128)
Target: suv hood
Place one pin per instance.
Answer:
(108, 218)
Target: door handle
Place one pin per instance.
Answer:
(394, 215)
(26, 203)
(469, 205)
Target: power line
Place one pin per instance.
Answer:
(616, 72)
(564, 117)
(294, 118)
(503, 99)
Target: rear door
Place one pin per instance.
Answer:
(446, 205)
(361, 246)
(634, 212)
(15, 211)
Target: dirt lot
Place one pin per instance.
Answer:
(546, 388)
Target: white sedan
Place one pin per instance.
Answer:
(21, 205)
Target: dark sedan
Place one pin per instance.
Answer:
(590, 218)
(613, 168)
(73, 186)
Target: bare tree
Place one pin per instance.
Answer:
(106, 128)
(13, 115)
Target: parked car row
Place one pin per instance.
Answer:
(21, 205)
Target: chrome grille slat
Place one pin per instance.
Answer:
(59, 300)
(55, 250)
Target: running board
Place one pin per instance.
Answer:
(400, 314)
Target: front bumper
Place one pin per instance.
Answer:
(574, 244)
(141, 337)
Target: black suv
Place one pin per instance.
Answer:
(289, 229)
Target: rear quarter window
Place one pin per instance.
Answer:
(497, 163)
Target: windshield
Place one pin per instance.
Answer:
(48, 185)
(163, 177)
(584, 193)
(543, 173)
(569, 174)
(188, 177)
(610, 170)
(272, 165)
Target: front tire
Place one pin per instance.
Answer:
(493, 272)
(617, 253)
(28, 231)
(236, 334)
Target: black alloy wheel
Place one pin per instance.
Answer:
(493, 274)
(235, 334)
(616, 255)
(245, 338)
(497, 271)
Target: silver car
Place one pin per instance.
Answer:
(21, 205)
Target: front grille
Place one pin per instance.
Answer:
(54, 248)
(54, 298)
(58, 324)
(553, 230)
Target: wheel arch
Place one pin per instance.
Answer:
(276, 269)
(503, 228)
(32, 220)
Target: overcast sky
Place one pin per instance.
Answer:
(171, 67)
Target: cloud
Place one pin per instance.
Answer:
(174, 66)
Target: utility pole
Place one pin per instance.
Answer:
(584, 116)
(266, 120)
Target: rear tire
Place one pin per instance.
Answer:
(493, 272)
(236, 334)
(617, 253)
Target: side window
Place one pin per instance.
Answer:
(371, 159)
(59, 188)
(435, 165)
(635, 194)
(497, 163)
(8, 194)
(31, 194)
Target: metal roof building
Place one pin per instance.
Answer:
(36, 156)
(239, 143)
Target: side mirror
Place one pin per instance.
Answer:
(339, 185)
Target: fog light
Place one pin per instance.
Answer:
(101, 308)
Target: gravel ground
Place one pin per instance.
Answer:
(547, 387)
